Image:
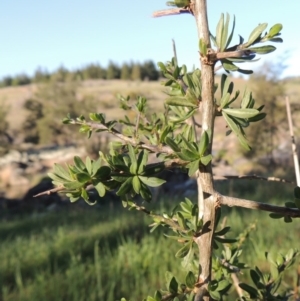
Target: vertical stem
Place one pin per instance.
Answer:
(205, 178)
(294, 147)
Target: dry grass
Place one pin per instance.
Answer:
(104, 91)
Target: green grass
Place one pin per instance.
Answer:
(88, 255)
(105, 254)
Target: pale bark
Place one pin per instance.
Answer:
(294, 147)
(206, 200)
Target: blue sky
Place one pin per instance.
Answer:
(74, 33)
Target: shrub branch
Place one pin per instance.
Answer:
(237, 202)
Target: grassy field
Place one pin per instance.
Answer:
(107, 253)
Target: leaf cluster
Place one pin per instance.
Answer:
(266, 286)
(127, 173)
(240, 118)
(243, 51)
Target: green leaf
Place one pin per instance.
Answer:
(180, 101)
(231, 34)
(83, 177)
(229, 66)
(168, 129)
(96, 166)
(204, 140)
(162, 67)
(190, 155)
(297, 203)
(287, 219)
(255, 34)
(182, 252)
(225, 240)
(191, 146)
(181, 220)
(274, 30)
(290, 204)
(125, 187)
(150, 170)
(215, 295)
(173, 286)
(241, 113)
(66, 120)
(243, 141)
(233, 126)
(276, 40)
(213, 38)
(254, 276)
(246, 100)
(257, 117)
(79, 163)
(145, 193)
(84, 129)
(223, 285)
(73, 199)
(88, 165)
(73, 185)
(84, 194)
(61, 172)
(131, 153)
(103, 172)
(297, 192)
(206, 159)
(100, 189)
(151, 181)
(224, 100)
(187, 261)
(222, 232)
(190, 279)
(142, 161)
(276, 215)
(219, 31)
(136, 184)
(158, 296)
(244, 71)
(172, 144)
(224, 84)
(178, 3)
(193, 167)
(133, 168)
(225, 33)
(56, 178)
(249, 289)
(262, 49)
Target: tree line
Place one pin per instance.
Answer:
(127, 71)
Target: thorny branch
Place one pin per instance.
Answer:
(130, 140)
(251, 177)
(237, 202)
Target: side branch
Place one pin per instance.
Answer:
(170, 164)
(130, 140)
(252, 177)
(171, 12)
(237, 202)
